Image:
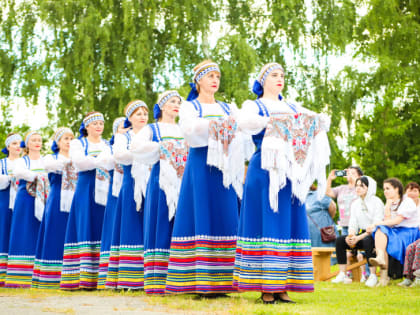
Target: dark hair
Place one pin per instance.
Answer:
(396, 183)
(364, 181)
(358, 170)
(412, 185)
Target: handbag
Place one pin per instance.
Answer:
(327, 232)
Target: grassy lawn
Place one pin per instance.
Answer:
(328, 298)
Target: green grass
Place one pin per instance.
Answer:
(328, 298)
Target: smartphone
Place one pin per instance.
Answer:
(340, 173)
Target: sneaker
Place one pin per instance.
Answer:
(405, 283)
(372, 280)
(363, 278)
(347, 280)
(416, 283)
(340, 278)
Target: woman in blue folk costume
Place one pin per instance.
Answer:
(116, 177)
(7, 197)
(273, 253)
(125, 269)
(92, 158)
(203, 242)
(27, 213)
(63, 177)
(161, 145)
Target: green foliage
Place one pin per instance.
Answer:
(91, 54)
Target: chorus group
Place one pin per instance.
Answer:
(208, 199)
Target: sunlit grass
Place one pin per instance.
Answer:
(331, 298)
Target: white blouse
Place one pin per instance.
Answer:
(53, 165)
(99, 155)
(21, 171)
(147, 150)
(196, 129)
(408, 210)
(4, 178)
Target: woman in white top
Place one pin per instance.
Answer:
(28, 210)
(7, 196)
(161, 145)
(63, 177)
(125, 269)
(365, 210)
(92, 158)
(398, 229)
(204, 234)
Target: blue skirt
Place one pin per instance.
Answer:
(274, 248)
(5, 222)
(107, 228)
(83, 237)
(50, 246)
(203, 242)
(398, 240)
(125, 269)
(157, 235)
(23, 238)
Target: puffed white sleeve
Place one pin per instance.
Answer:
(249, 120)
(105, 159)
(81, 161)
(4, 181)
(407, 208)
(194, 128)
(52, 165)
(145, 151)
(121, 153)
(22, 172)
(353, 224)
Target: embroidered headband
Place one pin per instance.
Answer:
(9, 140)
(130, 110)
(164, 97)
(57, 136)
(117, 122)
(93, 117)
(24, 144)
(204, 69)
(266, 70)
(258, 87)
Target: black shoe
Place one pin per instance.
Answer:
(278, 298)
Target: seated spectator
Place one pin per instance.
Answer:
(412, 254)
(398, 229)
(365, 210)
(320, 214)
(345, 194)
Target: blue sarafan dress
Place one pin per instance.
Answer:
(7, 187)
(25, 225)
(50, 245)
(84, 228)
(125, 269)
(168, 157)
(203, 241)
(274, 248)
(108, 225)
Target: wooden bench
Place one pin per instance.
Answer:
(321, 257)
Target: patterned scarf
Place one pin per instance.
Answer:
(173, 157)
(226, 152)
(102, 186)
(39, 189)
(295, 146)
(12, 191)
(68, 186)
